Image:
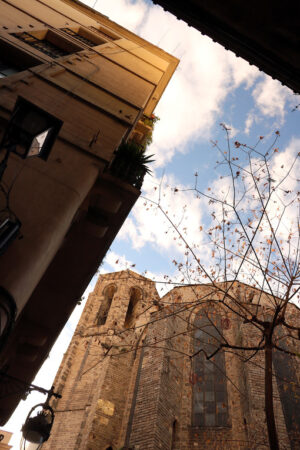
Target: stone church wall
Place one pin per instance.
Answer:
(130, 382)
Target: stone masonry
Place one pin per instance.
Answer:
(128, 382)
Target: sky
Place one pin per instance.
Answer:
(210, 86)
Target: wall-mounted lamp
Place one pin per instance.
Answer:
(37, 428)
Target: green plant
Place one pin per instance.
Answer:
(150, 121)
(131, 163)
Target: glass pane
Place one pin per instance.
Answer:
(209, 366)
(210, 420)
(221, 395)
(198, 396)
(199, 408)
(208, 384)
(199, 420)
(209, 396)
(210, 407)
(221, 420)
(221, 407)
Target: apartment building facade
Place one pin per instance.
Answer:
(78, 82)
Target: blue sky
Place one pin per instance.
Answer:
(210, 86)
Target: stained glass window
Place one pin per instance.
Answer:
(289, 391)
(210, 405)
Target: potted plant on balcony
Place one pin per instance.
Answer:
(131, 163)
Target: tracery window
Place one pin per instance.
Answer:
(108, 295)
(210, 403)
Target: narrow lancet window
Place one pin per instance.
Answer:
(135, 297)
(108, 294)
(210, 404)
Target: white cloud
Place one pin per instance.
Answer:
(122, 11)
(271, 98)
(147, 224)
(251, 118)
(118, 262)
(207, 73)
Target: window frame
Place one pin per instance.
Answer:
(17, 58)
(209, 383)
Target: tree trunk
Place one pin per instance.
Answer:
(272, 432)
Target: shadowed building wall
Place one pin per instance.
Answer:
(103, 83)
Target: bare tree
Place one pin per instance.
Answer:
(254, 237)
(251, 235)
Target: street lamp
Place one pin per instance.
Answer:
(37, 429)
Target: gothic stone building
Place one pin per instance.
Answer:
(127, 382)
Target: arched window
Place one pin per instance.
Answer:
(210, 403)
(108, 295)
(135, 297)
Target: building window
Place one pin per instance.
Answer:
(108, 295)
(7, 69)
(49, 43)
(84, 36)
(14, 60)
(210, 403)
(135, 297)
(289, 393)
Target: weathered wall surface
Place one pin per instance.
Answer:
(143, 398)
